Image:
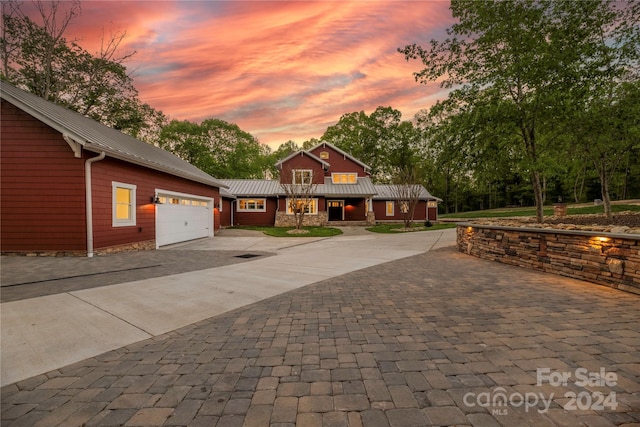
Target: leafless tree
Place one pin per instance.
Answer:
(406, 192)
(300, 186)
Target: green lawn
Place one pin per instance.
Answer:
(282, 231)
(548, 211)
(399, 228)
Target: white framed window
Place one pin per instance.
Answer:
(324, 155)
(302, 176)
(344, 178)
(390, 208)
(123, 198)
(252, 205)
(404, 207)
(310, 206)
(432, 204)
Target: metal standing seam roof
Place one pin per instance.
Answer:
(364, 188)
(272, 188)
(96, 137)
(253, 187)
(385, 192)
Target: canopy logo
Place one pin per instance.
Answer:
(498, 400)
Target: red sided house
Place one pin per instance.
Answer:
(342, 193)
(388, 209)
(71, 185)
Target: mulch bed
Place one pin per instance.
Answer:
(631, 220)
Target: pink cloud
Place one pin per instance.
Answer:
(280, 70)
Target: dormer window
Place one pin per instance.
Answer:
(344, 178)
(302, 176)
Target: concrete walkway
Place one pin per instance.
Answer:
(45, 333)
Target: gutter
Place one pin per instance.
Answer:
(89, 200)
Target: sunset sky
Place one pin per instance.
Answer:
(279, 70)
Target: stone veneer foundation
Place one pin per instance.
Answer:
(604, 258)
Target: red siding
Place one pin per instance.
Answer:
(42, 204)
(225, 215)
(267, 218)
(380, 210)
(302, 162)
(338, 162)
(354, 209)
(146, 182)
(42, 198)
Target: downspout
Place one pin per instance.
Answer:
(89, 200)
(231, 209)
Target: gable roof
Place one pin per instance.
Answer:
(324, 164)
(344, 153)
(96, 137)
(385, 192)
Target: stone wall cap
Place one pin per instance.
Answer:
(628, 236)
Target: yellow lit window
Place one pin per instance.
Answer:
(390, 209)
(344, 178)
(124, 204)
(251, 205)
(309, 206)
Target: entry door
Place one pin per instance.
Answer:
(335, 210)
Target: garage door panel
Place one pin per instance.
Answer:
(179, 223)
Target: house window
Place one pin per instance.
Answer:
(390, 209)
(252, 205)
(324, 155)
(310, 206)
(404, 207)
(302, 176)
(124, 204)
(432, 204)
(344, 178)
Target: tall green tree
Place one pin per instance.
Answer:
(37, 57)
(607, 132)
(378, 139)
(605, 104)
(520, 62)
(221, 149)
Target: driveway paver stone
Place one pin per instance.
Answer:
(414, 342)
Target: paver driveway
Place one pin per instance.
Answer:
(415, 342)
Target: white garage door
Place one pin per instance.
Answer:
(182, 218)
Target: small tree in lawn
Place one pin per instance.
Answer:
(300, 186)
(406, 193)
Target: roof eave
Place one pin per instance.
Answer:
(151, 165)
(344, 153)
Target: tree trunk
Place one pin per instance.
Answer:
(604, 188)
(578, 189)
(537, 192)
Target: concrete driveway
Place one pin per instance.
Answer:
(48, 332)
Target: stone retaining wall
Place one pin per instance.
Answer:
(285, 220)
(607, 259)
